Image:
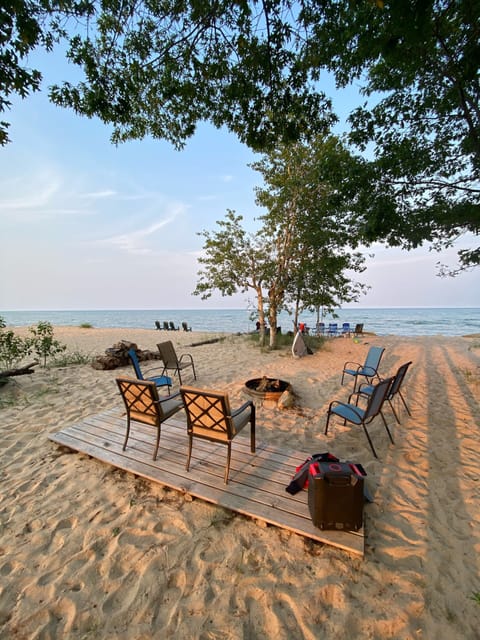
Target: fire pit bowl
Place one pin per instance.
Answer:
(266, 388)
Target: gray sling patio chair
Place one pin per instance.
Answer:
(351, 412)
(368, 370)
(209, 416)
(144, 405)
(172, 363)
(366, 389)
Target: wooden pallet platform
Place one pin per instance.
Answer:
(256, 485)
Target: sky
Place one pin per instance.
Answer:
(88, 225)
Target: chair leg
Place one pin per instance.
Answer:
(328, 420)
(393, 411)
(128, 433)
(189, 454)
(179, 376)
(227, 466)
(386, 427)
(369, 440)
(252, 429)
(404, 403)
(157, 443)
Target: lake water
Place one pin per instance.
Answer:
(394, 321)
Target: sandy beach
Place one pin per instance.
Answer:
(89, 551)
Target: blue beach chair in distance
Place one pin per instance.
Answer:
(368, 370)
(160, 381)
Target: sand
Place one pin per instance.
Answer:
(88, 551)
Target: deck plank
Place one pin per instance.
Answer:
(256, 485)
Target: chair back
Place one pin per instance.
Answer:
(141, 400)
(373, 358)
(346, 327)
(378, 397)
(398, 379)
(132, 354)
(208, 414)
(333, 328)
(167, 354)
(358, 329)
(158, 325)
(172, 326)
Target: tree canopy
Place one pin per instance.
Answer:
(158, 67)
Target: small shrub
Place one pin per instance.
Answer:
(12, 348)
(43, 343)
(86, 325)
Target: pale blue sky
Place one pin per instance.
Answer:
(86, 225)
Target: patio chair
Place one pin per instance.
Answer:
(160, 380)
(210, 417)
(351, 412)
(144, 405)
(346, 329)
(332, 329)
(172, 363)
(158, 325)
(366, 389)
(358, 331)
(320, 329)
(368, 370)
(166, 326)
(173, 327)
(185, 327)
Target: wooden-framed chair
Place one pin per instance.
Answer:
(144, 405)
(160, 380)
(351, 412)
(369, 369)
(210, 417)
(366, 389)
(172, 363)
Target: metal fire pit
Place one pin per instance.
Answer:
(266, 388)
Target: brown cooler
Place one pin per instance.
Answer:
(335, 496)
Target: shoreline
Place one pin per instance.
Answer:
(88, 549)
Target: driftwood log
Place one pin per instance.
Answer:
(21, 371)
(117, 356)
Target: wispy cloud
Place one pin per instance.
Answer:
(135, 242)
(94, 195)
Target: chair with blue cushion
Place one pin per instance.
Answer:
(366, 389)
(160, 380)
(351, 412)
(368, 370)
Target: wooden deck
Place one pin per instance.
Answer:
(256, 485)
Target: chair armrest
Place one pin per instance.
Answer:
(174, 395)
(249, 403)
(359, 366)
(185, 355)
